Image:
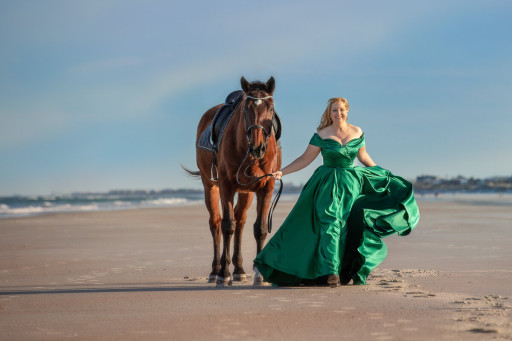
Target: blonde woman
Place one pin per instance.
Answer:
(335, 229)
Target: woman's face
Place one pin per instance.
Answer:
(338, 112)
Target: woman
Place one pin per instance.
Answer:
(334, 230)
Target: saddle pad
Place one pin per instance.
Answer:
(205, 140)
(212, 135)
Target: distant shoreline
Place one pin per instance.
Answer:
(19, 206)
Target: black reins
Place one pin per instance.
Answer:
(254, 178)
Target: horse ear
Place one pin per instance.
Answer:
(271, 85)
(245, 84)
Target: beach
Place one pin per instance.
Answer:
(142, 275)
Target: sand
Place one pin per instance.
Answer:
(141, 275)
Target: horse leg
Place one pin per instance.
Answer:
(260, 226)
(211, 198)
(242, 205)
(228, 226)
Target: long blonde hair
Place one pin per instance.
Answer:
(326, 120)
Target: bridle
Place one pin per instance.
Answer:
(257, 126)
(254, 178)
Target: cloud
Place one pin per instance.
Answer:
(277, 38)
(282, 38)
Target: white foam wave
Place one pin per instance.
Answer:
(48, 205)
(120, 203)
(166, 201)
(29, 210)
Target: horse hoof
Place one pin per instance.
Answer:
(258, 278)
(222, 282)
(240, 277)
(212, 279)
(258, 281)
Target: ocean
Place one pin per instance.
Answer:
(20, 206)
(470, 198)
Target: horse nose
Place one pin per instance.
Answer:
(259, 151)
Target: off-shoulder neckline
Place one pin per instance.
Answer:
(357, 138)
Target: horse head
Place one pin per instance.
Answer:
(258, 113)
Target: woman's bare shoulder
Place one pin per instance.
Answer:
(356, 130)
(325, 132)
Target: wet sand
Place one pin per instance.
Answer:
(141, 274)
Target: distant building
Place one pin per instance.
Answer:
(432, 183)
(427, 179)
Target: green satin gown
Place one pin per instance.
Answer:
(339, 220)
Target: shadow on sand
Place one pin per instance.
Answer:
(127, 288)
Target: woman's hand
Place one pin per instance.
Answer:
(277, 175)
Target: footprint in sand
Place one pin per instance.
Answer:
(195, 279)
(392, 284)
(419, 294)
(483, 330)
(484, 315)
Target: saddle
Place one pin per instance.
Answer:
(211, 138)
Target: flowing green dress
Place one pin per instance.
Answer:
(339, 220)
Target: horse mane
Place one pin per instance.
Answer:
(258, 86)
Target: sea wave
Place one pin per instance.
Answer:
(167, 201)
(25, 206)
(6, 210)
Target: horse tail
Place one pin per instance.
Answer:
(194, 174)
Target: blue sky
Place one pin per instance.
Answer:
(100, 95)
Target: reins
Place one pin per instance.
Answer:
(254, 178)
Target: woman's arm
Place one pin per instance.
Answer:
(301, 162)
(362, 155)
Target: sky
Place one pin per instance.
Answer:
(103, 95)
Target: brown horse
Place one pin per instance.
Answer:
(247, 138)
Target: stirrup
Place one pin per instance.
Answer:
(214, 165)
(214, 177)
